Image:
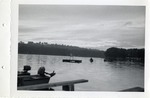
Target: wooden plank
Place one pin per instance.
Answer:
(48, 85)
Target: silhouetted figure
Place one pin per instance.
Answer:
(91, 60)
(42, 72)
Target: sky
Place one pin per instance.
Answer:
(90, 26)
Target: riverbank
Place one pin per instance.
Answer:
(140, 60)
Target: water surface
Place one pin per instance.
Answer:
(102, 76)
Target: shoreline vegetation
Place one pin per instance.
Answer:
(110, 55)
(55, 49)
(120, 54)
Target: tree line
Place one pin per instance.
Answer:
(114, 53)
(55, 49)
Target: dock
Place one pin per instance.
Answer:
(66, 85)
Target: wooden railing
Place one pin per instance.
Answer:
(66, 85)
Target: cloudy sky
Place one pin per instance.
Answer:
(91, 26)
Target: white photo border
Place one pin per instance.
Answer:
(86, 94)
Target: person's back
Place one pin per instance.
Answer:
(41, 71)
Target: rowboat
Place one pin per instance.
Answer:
(25, 78)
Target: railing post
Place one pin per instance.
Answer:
(68, 87)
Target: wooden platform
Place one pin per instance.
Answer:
(72, 61)
(66, 85)
(134, 89)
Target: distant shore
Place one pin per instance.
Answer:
(110, 55)
(55, 49)
(120, 54)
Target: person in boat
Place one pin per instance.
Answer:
(25, 70)
(25, 75)
(42, 72)
(91, 60)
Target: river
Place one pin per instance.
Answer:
(102, 76)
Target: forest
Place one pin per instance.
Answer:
(55, 49)
(113, 53)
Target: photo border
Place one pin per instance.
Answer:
(79, 94)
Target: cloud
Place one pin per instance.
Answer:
(83, 25)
